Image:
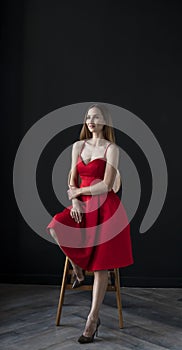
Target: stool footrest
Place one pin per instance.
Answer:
(89, 287)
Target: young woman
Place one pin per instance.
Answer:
(94, 231)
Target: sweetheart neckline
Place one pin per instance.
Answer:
(91, 160)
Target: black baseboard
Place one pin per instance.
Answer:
(145, 282)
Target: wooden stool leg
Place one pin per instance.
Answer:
(118, 297)
(61, 297)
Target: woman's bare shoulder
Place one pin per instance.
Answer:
(78, 144)
(113, 147)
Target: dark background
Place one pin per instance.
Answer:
(57, 53)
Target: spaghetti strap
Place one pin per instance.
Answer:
(82, 147)
(106, 149)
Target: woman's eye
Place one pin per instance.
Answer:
(95, 117)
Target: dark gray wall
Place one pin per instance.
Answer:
(124, 53)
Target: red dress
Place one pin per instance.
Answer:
(102, 239)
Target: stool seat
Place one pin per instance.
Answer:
(113, 275)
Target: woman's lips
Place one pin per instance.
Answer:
(91, 125)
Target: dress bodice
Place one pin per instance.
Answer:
(93, 170)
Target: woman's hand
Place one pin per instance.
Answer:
(73, 192)
(76, 211)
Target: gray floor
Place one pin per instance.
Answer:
(152, 319)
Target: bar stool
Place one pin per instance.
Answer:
(114, 274)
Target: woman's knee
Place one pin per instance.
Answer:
(53, 234)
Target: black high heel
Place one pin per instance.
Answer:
(83, 339)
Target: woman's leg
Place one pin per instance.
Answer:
(78, 271)
(98, 293)
(53, 234)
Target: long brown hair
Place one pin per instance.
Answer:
(108, 131)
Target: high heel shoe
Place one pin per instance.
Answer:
(83, 339)
(76, 283)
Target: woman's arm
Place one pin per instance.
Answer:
(106, 184)
(76, 211)
(73, 181)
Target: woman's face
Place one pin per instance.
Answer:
(95, 120)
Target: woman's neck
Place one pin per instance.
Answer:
(97, 139)
(98, 135)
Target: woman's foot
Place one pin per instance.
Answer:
(91, 329)
(78, 276)
(77, 282)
